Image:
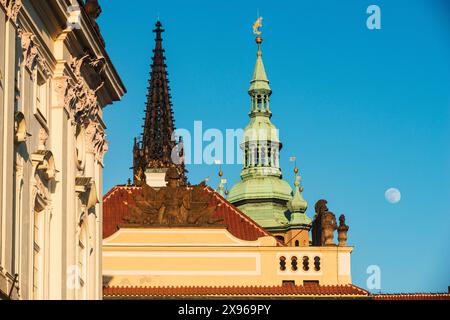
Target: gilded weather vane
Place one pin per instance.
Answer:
(257, 26)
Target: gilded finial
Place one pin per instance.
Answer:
(257, 27)
(297, 181)
(257, 30)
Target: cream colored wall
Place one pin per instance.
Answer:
(213, 257)
(29, 47)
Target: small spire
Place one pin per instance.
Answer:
(298, 205)
(259, 83)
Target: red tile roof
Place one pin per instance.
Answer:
(116, 207)
(307, 291)
(413, 296)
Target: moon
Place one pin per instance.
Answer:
(393, 195)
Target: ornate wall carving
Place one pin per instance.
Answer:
(12, 8)
(84, 108)
(81, 103)
(30, 48)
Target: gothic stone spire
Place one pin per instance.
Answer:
(155, 151)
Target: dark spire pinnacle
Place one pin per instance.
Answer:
(158, 142)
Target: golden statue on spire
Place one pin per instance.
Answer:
(257, 26)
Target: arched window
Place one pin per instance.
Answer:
(82, 260)
(38, 249)
(259, 102)
(263, 155)
(297, 243)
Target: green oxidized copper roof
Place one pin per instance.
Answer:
(262, 193)
(259, 81)
(297, 206)
(261, 187)
(261, 128)
(264, 199)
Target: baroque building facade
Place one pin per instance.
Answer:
(55, 79)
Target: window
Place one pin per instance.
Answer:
(263, 156)
(42, 96)
(282, 263)
(288, 283)
(317, 263)
(294, 264)
(259, 102)
(297, 243)
(38, 247)
(306, 263)
(82, 261)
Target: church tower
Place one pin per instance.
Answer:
(158, 149)
(262, 193)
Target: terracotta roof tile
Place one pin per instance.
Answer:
(250, 291)
(116, 207)
(413, 296)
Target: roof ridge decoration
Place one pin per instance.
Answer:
(174, 205)
(118, 203)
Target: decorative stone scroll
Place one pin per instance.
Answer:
(12, 8)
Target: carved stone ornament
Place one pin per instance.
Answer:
(81, 103)
(12, 8)
(86, 187)
(44, 164)
(43, 137)
(96, 140)
(20, 128)
(174, 205)
(342, 231)
(30, 48)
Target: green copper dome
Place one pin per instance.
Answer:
(264, 199)
(263, 187)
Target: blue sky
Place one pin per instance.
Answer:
(363, 110)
